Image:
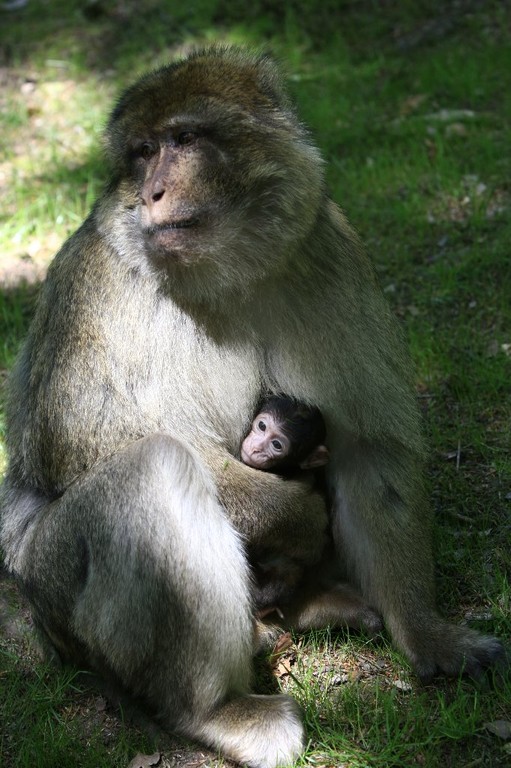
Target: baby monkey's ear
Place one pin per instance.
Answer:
(317, 458)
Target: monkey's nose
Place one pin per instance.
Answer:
(157, 195)
(152, 193)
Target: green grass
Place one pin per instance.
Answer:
(377, 715)
(411, 105)
(51, 720)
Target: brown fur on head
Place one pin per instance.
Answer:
(234, 222)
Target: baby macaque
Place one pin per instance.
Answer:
(286, 436)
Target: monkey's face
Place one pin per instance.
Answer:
(182, 179)
(266, 445)
(216, 179)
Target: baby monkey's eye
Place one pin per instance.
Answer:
(277, 445)
(261, 425)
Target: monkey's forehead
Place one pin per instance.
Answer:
(215, 83)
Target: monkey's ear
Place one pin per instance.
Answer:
(318, 458)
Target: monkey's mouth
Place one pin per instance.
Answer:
(257, 461)
(171, 238)
(171, 226)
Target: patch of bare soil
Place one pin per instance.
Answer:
(19, 270)
(15, 623)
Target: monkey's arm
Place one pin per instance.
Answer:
(286, 515)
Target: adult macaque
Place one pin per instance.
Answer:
(212, 269)
(286, 436)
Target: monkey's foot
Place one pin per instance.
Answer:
(452, 650)
(258, 731)
(370, 622)
(267, 634)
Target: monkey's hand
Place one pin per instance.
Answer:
(287, 516)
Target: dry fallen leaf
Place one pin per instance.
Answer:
(145, 761)
(412, 103)
(402, 685)
(283, 644)
(501, 728)
(283, 668)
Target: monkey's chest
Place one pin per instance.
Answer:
(208, 391)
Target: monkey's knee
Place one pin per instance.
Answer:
(162, 461)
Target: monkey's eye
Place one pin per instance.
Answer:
(262, 426)
(146, 150)
(186, 137)
(277, 445)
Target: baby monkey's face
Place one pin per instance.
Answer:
(266, 445)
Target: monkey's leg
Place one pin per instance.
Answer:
(315, 608)
(382, 531)
(136, 570)
(338, 606)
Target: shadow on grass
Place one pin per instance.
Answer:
(98, 35)
(17, 304)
